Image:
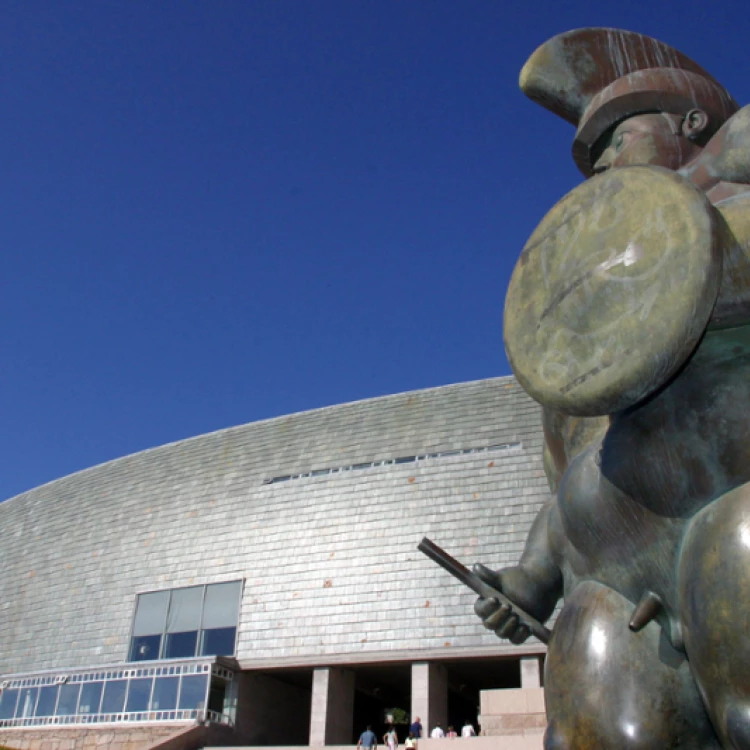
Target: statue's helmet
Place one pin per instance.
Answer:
(595, 78)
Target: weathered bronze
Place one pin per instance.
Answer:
(478, 586)
(628, 319)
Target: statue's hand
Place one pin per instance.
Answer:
(500, 618)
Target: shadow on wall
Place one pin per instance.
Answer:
(272, 712)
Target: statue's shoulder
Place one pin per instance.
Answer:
(723, 168)
(565, 437)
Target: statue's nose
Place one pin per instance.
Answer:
(604, 162)
(602, 165)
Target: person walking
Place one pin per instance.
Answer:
(367, 740)
(468, 729)
(390, 738)
(416, 727)
(411, 742)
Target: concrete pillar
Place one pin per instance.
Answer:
(332, 709)
(531, 672)
(429, 695)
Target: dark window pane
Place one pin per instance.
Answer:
(193, 691)
(26, 702)
(139, 694)
(8, 700)
(218, 642)
(180, 645)
(68, 700)
(91, 694)
(47, 700)
(216, 695)
(165, 694)
(114, 697)
(144, 647)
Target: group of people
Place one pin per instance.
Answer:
(368, 740)
(437, 733)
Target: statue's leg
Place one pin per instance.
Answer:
(607, 688)
(714, 587)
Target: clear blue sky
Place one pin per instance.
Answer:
(221, 211)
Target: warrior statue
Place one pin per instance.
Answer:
(628, 319)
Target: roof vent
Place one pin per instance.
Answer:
(500, 447)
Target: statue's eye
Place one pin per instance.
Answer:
(618, 141)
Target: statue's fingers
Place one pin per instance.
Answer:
(498, 618)
(486, 607)
(509, 627)
(521, 634)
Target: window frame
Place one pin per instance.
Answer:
(164, 635)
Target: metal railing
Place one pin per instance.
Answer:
(82, 696)
(200, 716)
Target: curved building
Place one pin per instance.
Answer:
(266, 577)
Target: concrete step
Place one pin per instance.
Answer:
(504, 742)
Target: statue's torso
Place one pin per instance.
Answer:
(626, 500)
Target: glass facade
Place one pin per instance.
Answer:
(172, 629)
(186, 622)
(165, 691)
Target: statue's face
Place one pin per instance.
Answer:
(655, 139)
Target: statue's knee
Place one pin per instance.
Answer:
(554, 739)
(738, 726)
(580, 735)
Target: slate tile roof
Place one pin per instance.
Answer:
(329, 561)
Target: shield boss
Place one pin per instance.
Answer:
(613, 290)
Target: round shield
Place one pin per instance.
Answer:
(613, 290)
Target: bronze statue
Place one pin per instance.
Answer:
(628, 319)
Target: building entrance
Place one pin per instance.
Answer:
(382, 692)
(468, 677)
(273, 708)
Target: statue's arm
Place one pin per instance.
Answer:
(535, 584)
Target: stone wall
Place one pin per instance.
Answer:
(85, 738)
(513, 712)
(152, 737)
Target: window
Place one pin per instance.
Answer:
(148, 626)
(91, 696)
(165, 693)
(183, 622)
(193, 691)
(67, 700)
(8, 700)
(47, 701)
(27, 702)
(186, 622)
(114, 696)
(158, 691)
(139, 694)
